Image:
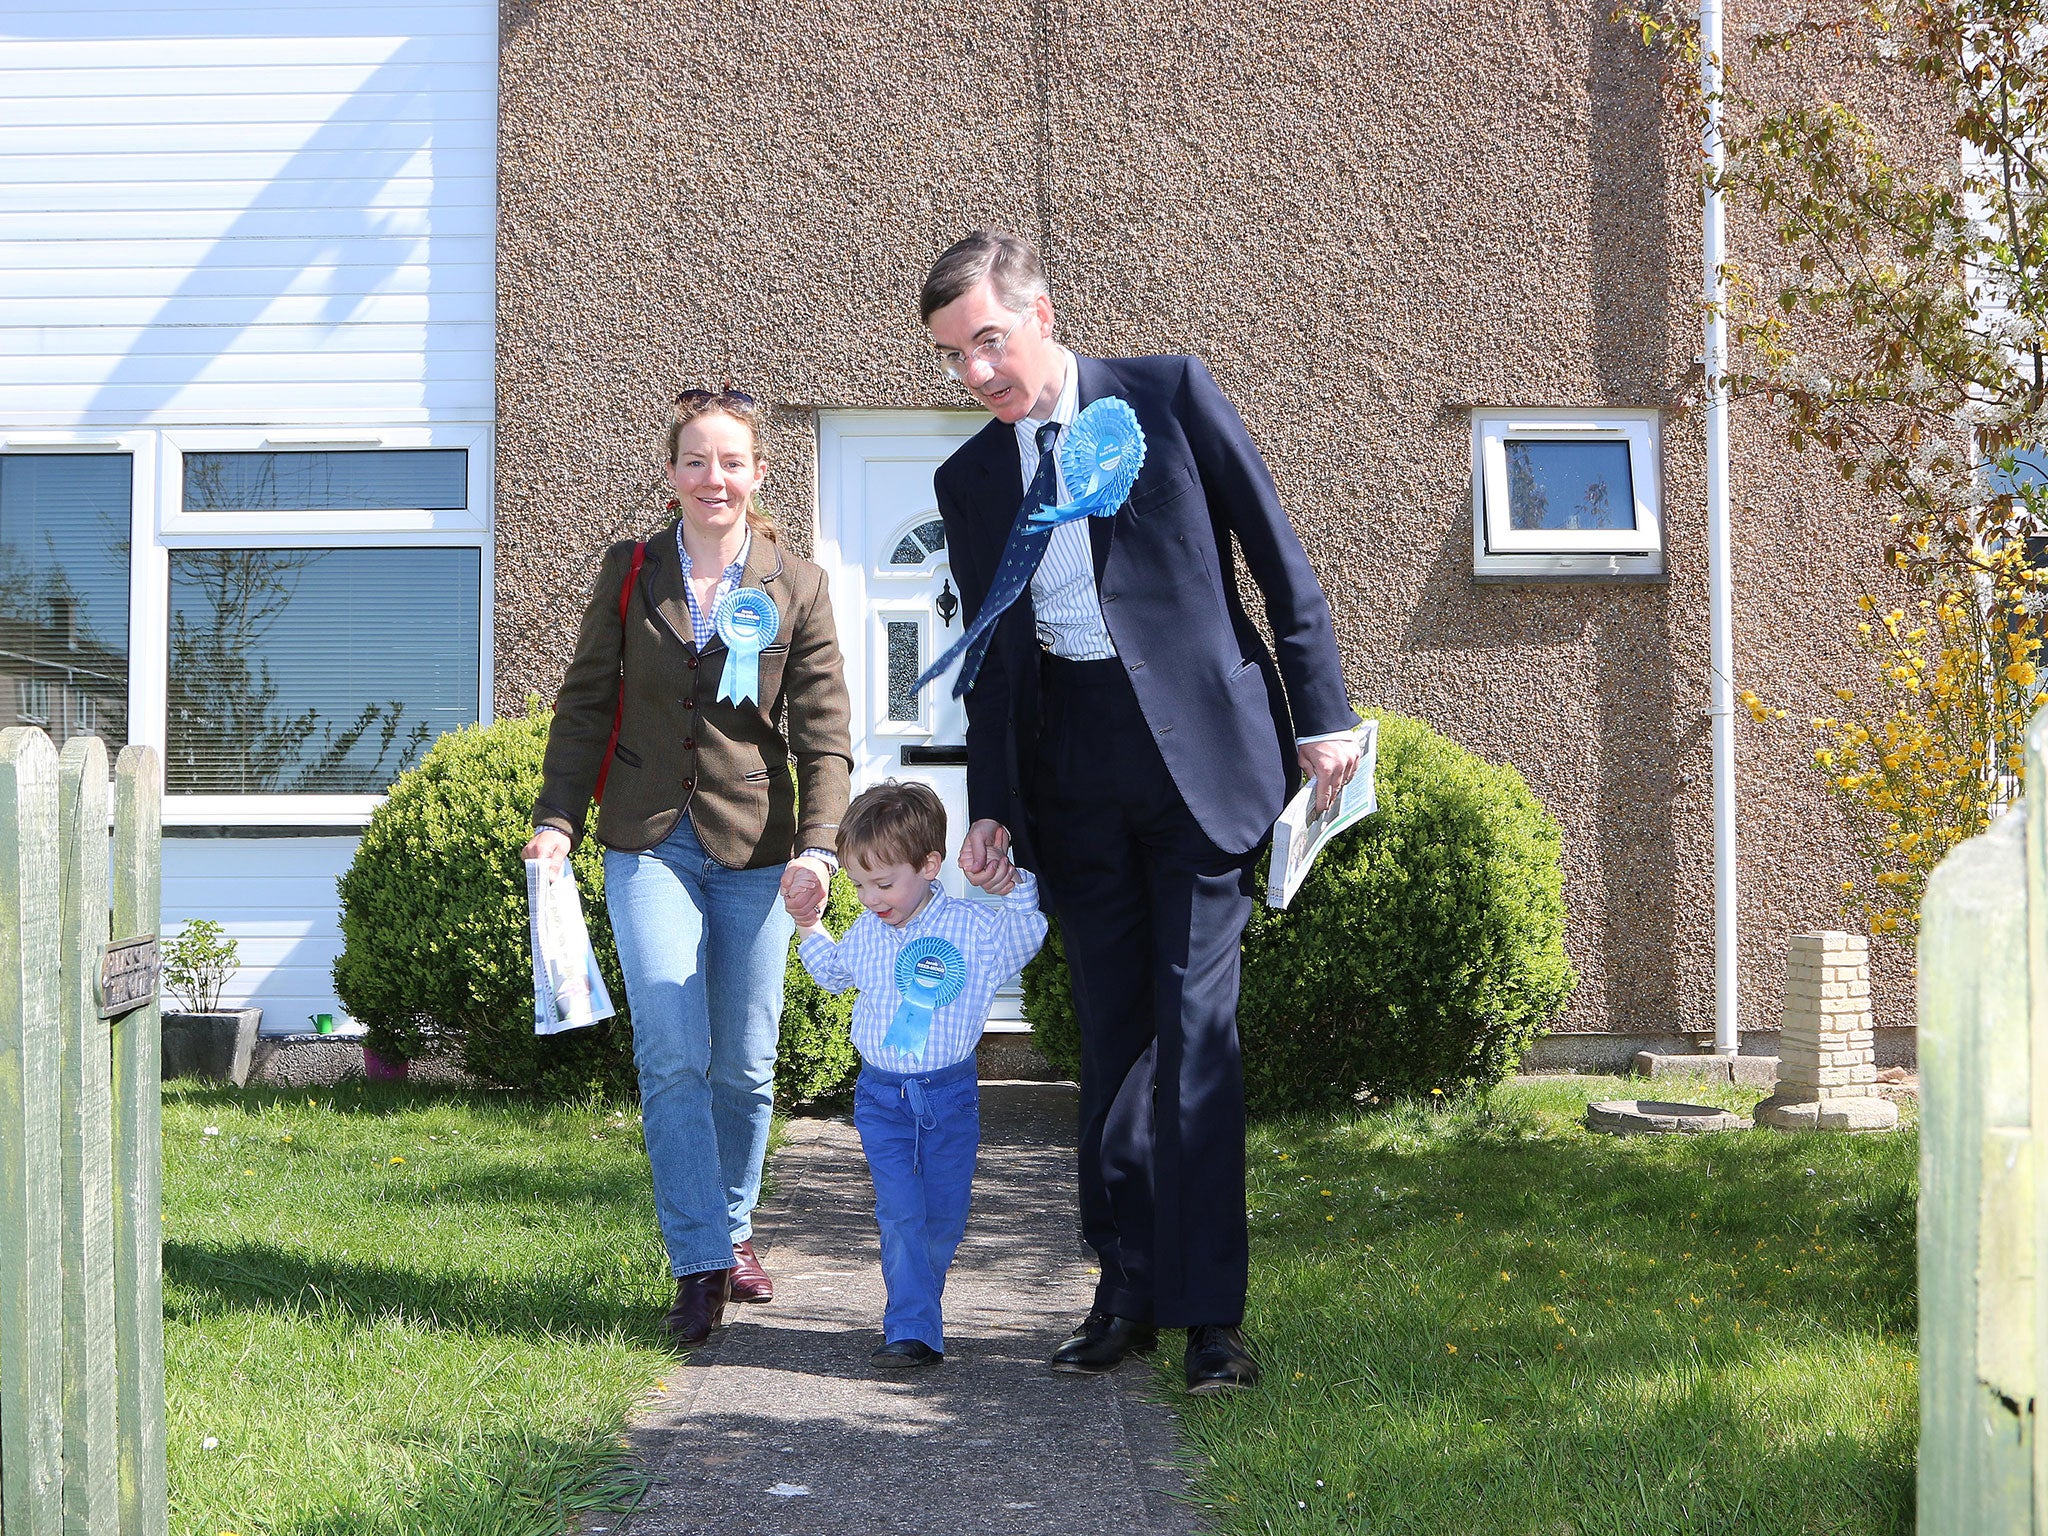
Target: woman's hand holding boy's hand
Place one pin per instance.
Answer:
(805, 884)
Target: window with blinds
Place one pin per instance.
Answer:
(359, 480)
(317, 671)
(64, 540)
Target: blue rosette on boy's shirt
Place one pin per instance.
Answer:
(930, 973)
(1100, 457)
(747, 622)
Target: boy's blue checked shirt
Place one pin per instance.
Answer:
(995, 938)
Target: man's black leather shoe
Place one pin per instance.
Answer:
(904, 1355)
(1218, 1361)
(1101, 1342)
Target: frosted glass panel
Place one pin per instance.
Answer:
(1583, 485)
(64, 593)
(903, 669)
(317, 671)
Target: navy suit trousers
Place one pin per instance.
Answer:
(1152, 915)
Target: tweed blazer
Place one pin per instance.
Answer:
(684, 751)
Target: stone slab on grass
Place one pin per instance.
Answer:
(1851, 1114)
(781, 1428)
(1635, 1117)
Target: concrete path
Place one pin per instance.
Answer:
(781, 1428)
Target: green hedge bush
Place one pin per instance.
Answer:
(1424, 951)
(434, 928)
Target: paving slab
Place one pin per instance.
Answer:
(779, 1427)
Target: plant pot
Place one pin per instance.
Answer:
(216, 1046)
(384, 1069)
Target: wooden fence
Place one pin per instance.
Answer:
(1983, 1044)
(81, 1144)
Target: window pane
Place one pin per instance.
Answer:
(933, 533)
(903, 669)
(907, 552)
(1569, 485)
(432, 479)
(317, 671)
(64, 593)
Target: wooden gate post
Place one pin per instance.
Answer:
(1983, 1051)
(31, 1220)
(88, 1115)
(138, 1161)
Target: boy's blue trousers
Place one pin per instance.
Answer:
(920, 1132)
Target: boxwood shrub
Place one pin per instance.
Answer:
(434, 928)
(1424, 951)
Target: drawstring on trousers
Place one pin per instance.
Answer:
(913, 1089)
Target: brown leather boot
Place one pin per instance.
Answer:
(750, 1281)
(700, 1305)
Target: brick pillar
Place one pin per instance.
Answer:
(1827, 1064)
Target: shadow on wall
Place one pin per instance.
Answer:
(1633, 755)
(309, 228)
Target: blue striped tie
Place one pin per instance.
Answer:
(1021, 554)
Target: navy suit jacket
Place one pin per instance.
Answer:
(1224, 715)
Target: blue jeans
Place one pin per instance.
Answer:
(704, 949)
(920, 1132)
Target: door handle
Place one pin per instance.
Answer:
(933, 757)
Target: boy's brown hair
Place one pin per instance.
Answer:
(893, 823)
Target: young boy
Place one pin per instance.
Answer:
(927, 966)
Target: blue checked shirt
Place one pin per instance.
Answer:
(704, 620)
(995, 938)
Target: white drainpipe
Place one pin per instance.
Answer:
(1720, 599)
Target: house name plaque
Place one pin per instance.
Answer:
(128, 976)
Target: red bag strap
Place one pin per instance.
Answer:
(619, 711)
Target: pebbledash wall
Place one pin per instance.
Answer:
(1368, 219)
(234, 229)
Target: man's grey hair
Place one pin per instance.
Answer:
(1009, 262)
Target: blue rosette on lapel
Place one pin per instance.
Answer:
(930, 973)
(747, 622)
(1099, 458)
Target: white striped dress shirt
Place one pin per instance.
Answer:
(1063, 595)
(995, 939)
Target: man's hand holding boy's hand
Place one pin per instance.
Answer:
(985, 858)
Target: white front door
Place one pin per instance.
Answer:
(881, 542)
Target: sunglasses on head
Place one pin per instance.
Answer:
(696, 397)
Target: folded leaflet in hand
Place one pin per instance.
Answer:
(568, 990)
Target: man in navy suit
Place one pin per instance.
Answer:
(1130, 736)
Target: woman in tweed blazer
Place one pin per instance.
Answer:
(703, 830)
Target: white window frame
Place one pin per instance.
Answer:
(170, 527)
(1504, 553)
(140, 444)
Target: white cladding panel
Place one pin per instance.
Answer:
(275, 897)
(246, 214)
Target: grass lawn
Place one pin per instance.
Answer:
(1488, 1320)
(395, 1311)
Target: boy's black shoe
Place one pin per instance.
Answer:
(904, 1355)
(1101, 1342)
(1218, 1361)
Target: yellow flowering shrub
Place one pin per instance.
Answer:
(1923, 758)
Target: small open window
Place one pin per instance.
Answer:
(1566, 495)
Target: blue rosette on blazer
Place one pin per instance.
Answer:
(747, 622)
(1100, 457)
